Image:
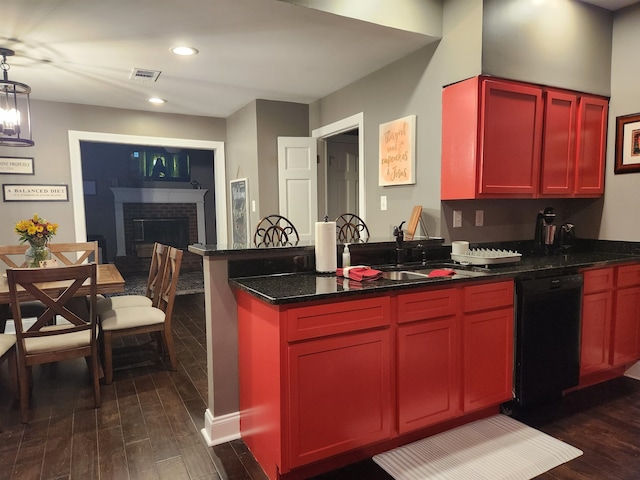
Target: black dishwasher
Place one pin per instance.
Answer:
(547, 353)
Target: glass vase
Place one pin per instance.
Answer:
(36, 253)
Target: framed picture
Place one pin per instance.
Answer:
(35, 193)
(398, 152)
(628, 144)
(16, 165)
(239, 212)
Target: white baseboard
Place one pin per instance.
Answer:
(220, 429)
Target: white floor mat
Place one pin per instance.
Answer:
(633, 371)
(495, 448)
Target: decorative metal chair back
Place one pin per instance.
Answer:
(351, 229)
(275, 231)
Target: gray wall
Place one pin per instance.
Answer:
(563, 43)
(51, 123)
(413, 85)
(252, 149)
(619, 221)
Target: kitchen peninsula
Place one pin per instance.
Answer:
(292, 321)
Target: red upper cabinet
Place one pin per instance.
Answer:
(591, 146)
(507, 139)
(491, 135)
(558, 146)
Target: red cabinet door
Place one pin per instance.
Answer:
(339, 395)
(591, 146)
(510, 139)
(428, 372)
(625, 346)
(596, 331)
(558, 143)
(487, 358)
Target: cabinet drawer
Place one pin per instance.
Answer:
(425, 305)
(628, 275)
(338, 317)
(598, 280)
(488, 295)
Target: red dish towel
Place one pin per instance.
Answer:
(441, 272)
(360, 273)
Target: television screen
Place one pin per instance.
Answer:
(160, 166)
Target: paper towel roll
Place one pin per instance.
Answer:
(326, 256)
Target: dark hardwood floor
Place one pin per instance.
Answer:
(149, 424)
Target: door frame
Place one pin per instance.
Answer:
(341, 126)
(75, 161)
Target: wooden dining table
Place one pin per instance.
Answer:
(108, 280)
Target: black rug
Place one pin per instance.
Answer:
(188, 282)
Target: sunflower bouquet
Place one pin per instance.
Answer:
(37, 231)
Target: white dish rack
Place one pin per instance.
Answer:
(486, 256)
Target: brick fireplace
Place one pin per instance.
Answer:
(147, 215)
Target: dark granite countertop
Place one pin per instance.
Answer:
(305, 287)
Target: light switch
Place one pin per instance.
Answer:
(253, 205)
(383, 202)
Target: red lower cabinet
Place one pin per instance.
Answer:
(487, 344)
(339, 393)
(322, 379)
(610, 318)
(428, 372)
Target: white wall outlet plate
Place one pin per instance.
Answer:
(383, 202)
(457, 218)
(479, 218)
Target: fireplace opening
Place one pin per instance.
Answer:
(173, 231)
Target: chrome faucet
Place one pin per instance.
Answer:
(399, 234)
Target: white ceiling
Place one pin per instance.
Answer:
(83, 51)
(612, 4)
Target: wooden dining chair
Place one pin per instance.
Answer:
(74, 253)
(8, 353)
(44, 343)
(154, 283)
(13, 256)
(275, 231)
(350, 228)
(156, 320)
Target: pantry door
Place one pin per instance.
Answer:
(298, 183)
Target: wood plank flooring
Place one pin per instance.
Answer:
(149, 424)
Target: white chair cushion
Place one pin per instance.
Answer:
(131, 317)
(58, 342)
(6, 342)
(111, 303)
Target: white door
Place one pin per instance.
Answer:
(298, 183)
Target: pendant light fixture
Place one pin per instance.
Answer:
(15, 109)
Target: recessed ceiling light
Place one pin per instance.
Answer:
(157, 100)
(185, 51)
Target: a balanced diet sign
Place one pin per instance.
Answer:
(35, 193)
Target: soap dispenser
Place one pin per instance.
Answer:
(346, 256)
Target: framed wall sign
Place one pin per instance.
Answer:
(16, 165)
(35, 193)
(239, 212)
(397, 152)
(628, 144)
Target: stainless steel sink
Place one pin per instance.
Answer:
(422, 272)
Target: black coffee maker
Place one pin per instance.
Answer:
(545, 235)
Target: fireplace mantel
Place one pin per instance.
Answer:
(156, 195)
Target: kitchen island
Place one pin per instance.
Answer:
(276, 294)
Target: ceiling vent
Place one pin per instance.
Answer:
(144, 75)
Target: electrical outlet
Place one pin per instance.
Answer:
(479, 218)
(253, 205)
(457, 218)
(383, 202)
